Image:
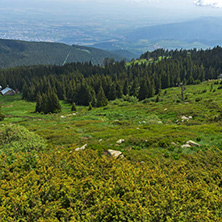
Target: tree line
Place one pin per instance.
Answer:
(85, 83)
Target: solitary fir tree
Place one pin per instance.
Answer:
(90, 107)
(73, 108)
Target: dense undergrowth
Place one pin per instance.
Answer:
(43, 178)
(84, 186)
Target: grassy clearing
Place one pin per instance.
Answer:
(147, 127)
(145, 61)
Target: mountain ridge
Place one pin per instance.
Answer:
(24, 53)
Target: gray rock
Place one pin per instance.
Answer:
(115, 153)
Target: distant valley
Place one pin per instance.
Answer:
(99, 42)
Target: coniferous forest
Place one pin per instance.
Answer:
(84, 83)
(161, 114)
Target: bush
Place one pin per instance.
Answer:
(2, 116)
(17, 138)
(131, 99)
(86, 186)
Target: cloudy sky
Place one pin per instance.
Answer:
(142, 10)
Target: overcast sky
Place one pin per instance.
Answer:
(150, 10)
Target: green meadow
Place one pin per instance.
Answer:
(153, 127)
(44, 178)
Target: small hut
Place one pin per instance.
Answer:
(7, 91)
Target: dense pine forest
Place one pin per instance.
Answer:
(157, 113)
(84, 83)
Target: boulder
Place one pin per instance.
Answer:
(184, 118)
(115, 153)
(185, 146)
(81, 148)
(120, 141)
(192, 143)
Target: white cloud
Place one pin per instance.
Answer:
(212, 3)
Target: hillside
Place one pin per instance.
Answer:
(21, 53)
(150, 153)
(159, 178)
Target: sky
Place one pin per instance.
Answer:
(141, 11)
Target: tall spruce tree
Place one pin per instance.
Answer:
(54, 104)
(126, 88)
(143, 91)
(38, 107)
(101, 98)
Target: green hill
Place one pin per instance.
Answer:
(21, 53)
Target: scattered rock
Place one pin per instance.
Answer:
(186, 146)
(192, 143)
(81, 148)
(165, 109)
(190, 117)
(63, 117)
(115, 153)
(120, 141)
(100, 140)
(184, 118)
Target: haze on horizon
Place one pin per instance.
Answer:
(132, 12)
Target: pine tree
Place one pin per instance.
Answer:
(134, 88)
(101, 98)
(73, 108)
(90, 107)
(38, 107)
(45, 104)
(126, 88)
(112, 92)
(143, 91)
(54, 103)
(119, 92)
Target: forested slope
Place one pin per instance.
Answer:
(15, 53)
(81, 82)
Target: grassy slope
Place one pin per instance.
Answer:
(148, 127)
(18, 53)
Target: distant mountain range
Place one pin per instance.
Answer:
(21, 53)
(202, 29)
(199, 33)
